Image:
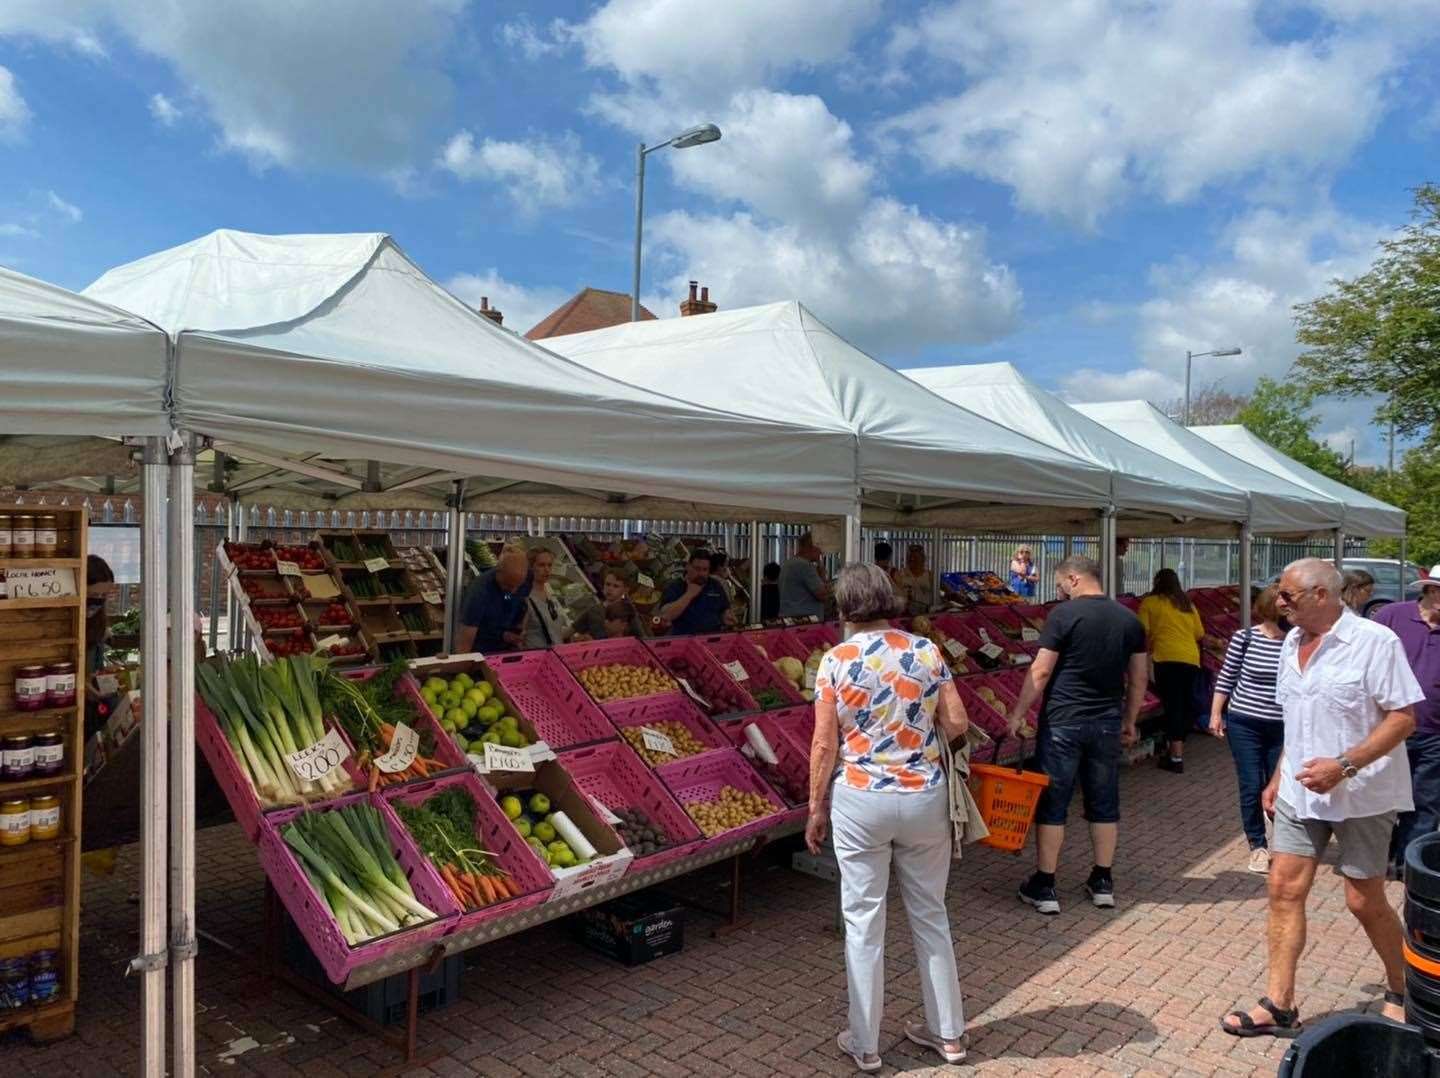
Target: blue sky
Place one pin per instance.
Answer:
(1084, 188)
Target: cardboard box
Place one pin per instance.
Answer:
(473, 663)
(633, 929)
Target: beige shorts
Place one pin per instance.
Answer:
(1364, 841)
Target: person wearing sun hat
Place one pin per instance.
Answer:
(1417, 624)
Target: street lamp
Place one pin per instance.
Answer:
(695, 136)
(1200, 355)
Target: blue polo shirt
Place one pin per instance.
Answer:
(706, 611)
(493, 611)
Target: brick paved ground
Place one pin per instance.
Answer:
(1137, 991)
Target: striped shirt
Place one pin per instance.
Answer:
(1248, 677)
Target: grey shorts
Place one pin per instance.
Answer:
(1364, 841)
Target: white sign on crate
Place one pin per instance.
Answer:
(1029, 634)
(329, 642)
(955, 648)
(655, 741)
(313, 763)
(603, 811)
(992, 650)
(401, 754)
(645, 581)
(376, 565)
(431, 597)
(287, 568)
(737, 670)
(39, 583)
(502, 758)
(690, 692)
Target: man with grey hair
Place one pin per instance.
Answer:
(493, 613)
(1348, 699)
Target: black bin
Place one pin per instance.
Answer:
(1359, 1046)
(1422, 935)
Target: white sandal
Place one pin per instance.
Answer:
(922, 1036)
(846, 1044)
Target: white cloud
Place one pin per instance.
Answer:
(14, 113)
(535, 173)
(520, 34)
(329, 83)
(522, 307)
(1076, 105)
(10, 228)
(68, 210)
(165, 111)
(1088, 384)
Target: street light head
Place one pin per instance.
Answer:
(696, 136)
(1227, 352)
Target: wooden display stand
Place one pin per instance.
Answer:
(40, 881)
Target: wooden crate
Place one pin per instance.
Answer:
(40, 881)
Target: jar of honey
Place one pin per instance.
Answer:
(44, 818)
(7, 524)
(32, 687)
(22, 535)
(47, 535)
(49, 753)
(60, 685)
(14, 822)
(17, 757)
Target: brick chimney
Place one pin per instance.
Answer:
(490, 312)
(700, 305)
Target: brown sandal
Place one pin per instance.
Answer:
(1285, 1021)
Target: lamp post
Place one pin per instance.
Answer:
(695, 136)
(1200, 355)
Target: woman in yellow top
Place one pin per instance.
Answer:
(1173, 632)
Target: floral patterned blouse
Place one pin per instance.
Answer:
(885, 686)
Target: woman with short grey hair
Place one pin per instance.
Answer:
(877, 784)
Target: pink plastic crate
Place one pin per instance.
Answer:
(313, 917)
(796, 724)
(614, 776)
(975, 621)
(1031, 615)
(240, 795)
(731, 647)
(496, 836)
(982, 714)
(776, 643)
(544, 692)
(423, 722)
(648, 710)
(625, 649)
(1005, 619)
(790, 778)
(701, 777)
(1012, 681)
(825, 635)
(685, 657)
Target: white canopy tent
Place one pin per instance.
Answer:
(1363, 515)
(920, 459)
(1150, 492)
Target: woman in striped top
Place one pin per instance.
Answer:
(1243, 712)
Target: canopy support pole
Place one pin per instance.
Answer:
(1340, 549)
(757, 579)
(1108, 560)
(454, 563)
(1245, 570)
(850, 542)
(937, 538)
(217, 486)
(233, 514)
(182, 758)
(150, 963)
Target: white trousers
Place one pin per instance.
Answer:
(870, 830)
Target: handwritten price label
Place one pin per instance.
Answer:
(992, 650)
(955, 648)
(40, 583)
(376, 565)
(287, 568)
(655, 741)
(737, 671)
(315, 762)
(1029, 634)
(501, 758)
(645, 581)
(431, 597)
(603, 811)
(690, 692)
(401, 754)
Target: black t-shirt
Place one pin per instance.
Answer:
(1095, 637)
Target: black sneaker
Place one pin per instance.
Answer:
(1101, 892)
(1174, 766)
(1042, 897)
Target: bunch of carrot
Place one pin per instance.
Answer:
(444, 828)
(420, 768)
(368, 710)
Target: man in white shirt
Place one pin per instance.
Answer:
(1348, 696)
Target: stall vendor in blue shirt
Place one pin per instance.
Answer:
(494, 611)
(696, 604)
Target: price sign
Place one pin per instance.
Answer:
(376, 565)
(690, 692)
(287, 568)
(738, 672)
(39, 583)
(315, 762)
(788, 622)
(645, 581)
(108, 684)
(955, 648)
(431, 597)
(603, 811)
(984, 635)
(655, 741)
(401, 754)
(992, 650)
(1029, 634)
(329, 642)
(811, 673)
(501, 758)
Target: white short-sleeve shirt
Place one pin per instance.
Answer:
(1357, 674)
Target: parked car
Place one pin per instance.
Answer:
(1386, 572)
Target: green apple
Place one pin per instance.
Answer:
(565, 858)
(476, 695)
(434, 685)
(490, 737)
(462, 681)
(511, 740)
(509, 722)
(523, 826)
(544, 831)
(511, 806)
(486, 688)
(490, 712)
(539, 804)
(454, 719)
(469, 707)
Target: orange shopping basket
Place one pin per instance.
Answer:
(1007, 798)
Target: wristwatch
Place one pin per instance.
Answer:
(1347, 769)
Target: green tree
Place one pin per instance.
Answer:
(1379, 334)
(1415, 487)
(1279, 413)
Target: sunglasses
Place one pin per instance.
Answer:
(1290, 597)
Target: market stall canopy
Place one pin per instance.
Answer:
(781, 362)
(1141, 481)
(1277, 507)
(72, 365)
(340, 345)
(1364, 515)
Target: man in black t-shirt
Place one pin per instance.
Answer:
(1091, 669)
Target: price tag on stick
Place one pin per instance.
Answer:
(287, 568)
(954, 647)
(655, 741)
(401, 754)
(737, 671)
(992, 650)
(1029, 634)
(501, 758)
(315, 762)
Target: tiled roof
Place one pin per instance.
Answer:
(590, 308)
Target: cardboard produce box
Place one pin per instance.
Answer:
(633, 929)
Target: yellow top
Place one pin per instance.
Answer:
(1173, 634)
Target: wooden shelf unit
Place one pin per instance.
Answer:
(40, 881)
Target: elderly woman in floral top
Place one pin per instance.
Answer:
(883, 699)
